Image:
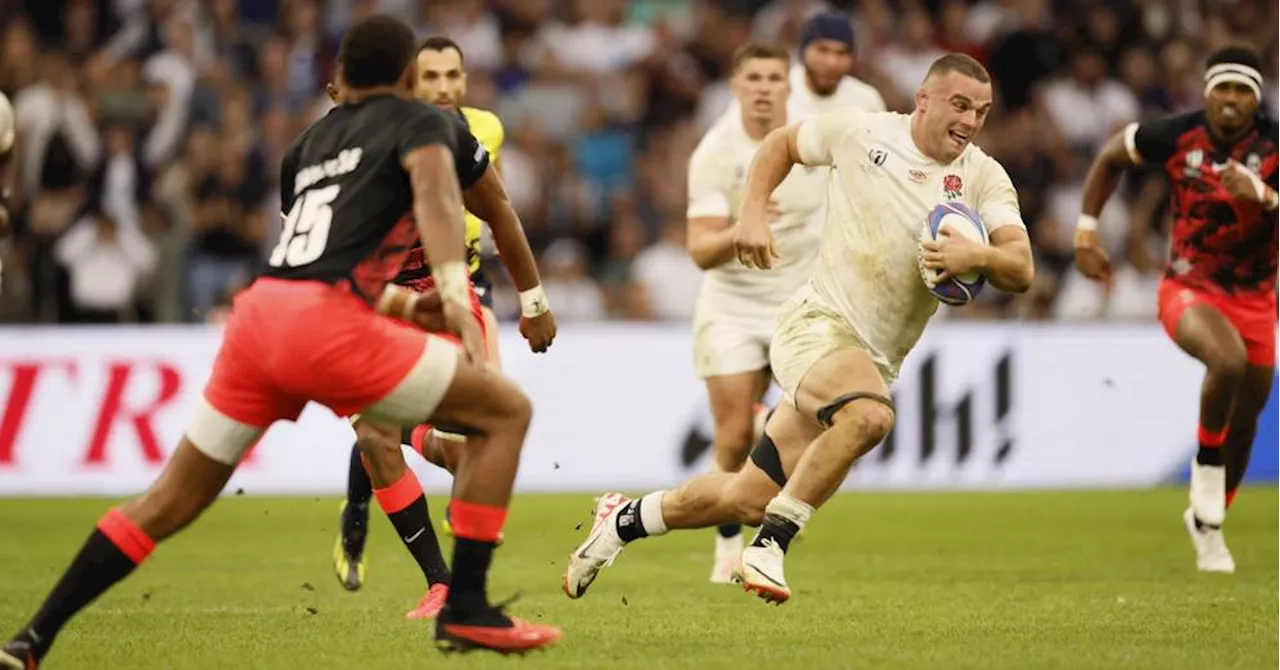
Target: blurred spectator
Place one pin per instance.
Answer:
(1087, 106)
(106, 258)
(575, 296)
(667, 282)
(169, 118)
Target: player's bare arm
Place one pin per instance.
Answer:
(488, 199)
(437, 207)
(1102, 180)
(753, 240)
(710, 241)
(1006, 262)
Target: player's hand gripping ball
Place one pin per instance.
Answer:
(950, 242)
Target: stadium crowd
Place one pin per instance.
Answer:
(151, 132)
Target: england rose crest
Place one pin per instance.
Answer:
(951, 185)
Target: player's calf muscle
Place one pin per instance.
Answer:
(189, 483)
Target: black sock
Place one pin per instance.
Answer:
(777, 528)
(355, 518)
(468, 595)
(1209, 455)
(98, 566)
(630, 525)
(728, 530)
(413, 525)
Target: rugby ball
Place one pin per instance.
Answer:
(962, 220)
(7, 124)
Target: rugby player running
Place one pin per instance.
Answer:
(359, 187)
(1217, 300)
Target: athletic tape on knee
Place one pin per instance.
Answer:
(827, 414)
(765, 456)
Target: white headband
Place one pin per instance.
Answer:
(1235, 73)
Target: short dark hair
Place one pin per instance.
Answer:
(958, 62)
(761, 50)
(1236, 54)
(376, 51)
(441, 43)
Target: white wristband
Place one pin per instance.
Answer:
(533, 303)
(453, 283)
(1087, 223)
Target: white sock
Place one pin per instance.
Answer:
(1208, 493)
(791, 508)
(651, 514)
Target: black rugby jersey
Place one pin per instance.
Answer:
(347, 198)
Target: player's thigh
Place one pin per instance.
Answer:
(482, 399)
(733, 397)
(1200, 328)
(240, 400)
(821, 364)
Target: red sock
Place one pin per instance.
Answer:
(1211, 446)
(126, 535)
(474, 521)
(1231, 497)
(399, 495)
(418, 438)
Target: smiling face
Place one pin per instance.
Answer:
(953, 107)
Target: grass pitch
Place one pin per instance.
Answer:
(904, 580)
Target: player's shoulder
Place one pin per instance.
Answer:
(481, 118)
(1173, 126)
(717, 139)
(854, 91)
(485, 125)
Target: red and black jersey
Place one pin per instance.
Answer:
(1218, 242)
(471, 160)
(347, 197)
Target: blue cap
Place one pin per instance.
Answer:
(827, 26)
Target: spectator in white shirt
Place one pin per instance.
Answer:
(574, 293)
(666, 276)
(106, 260)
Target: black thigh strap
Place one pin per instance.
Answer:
(826, 414)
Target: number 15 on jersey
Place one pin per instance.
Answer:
(306, 228)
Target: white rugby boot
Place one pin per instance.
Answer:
(601, 547)
(1208, 499)
(728, 551)
(1212, 554)
(760, 572)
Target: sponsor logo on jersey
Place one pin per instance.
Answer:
(877, 156)
(918, 176)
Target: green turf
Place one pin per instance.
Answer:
(1058, 580)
